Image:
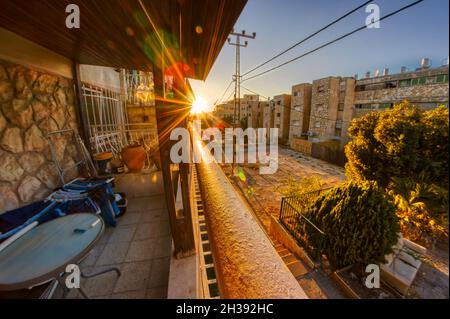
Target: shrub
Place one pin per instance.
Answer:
(422, 208)
(359, 223)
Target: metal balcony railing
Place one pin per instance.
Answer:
(293, 219)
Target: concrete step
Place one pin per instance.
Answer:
(297, 268)
(288, 259)
(284, 252)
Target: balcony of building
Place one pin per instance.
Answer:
(186, 232)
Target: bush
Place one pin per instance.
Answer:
(399, 143)
(422, 208)
(359, 223)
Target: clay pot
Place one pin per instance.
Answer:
(134, 158)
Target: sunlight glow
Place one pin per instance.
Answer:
(199, 106)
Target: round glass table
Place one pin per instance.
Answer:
(43, 253)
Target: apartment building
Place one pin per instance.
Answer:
(256, 113)
(247, 103)
(224, 110)
(336, 101)
(300, 110)
(332, 99)
(281, 108)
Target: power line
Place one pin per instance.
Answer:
(335, 40)
(309, 37)
(224, 92)
(253, 92)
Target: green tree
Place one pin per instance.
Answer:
(401, 143)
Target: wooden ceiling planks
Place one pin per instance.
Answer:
(118, 33)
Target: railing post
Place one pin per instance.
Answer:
(168, 115)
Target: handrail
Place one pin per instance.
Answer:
(291, 217)
(247, 264)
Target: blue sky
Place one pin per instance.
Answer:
(421, 31)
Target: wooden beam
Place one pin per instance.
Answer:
(180, 222)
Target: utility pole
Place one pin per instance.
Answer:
(237, 74)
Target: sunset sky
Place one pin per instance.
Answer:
(421, 31)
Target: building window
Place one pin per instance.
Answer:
(340, 106)
(365, 106)
(431, 80)
(342, 86)
(390, 85)
(338, 124)
(320, 89)
(337, 132)
(419, 81)
(404, 83)
(295, 93)
(278, 114)
(360, 88)
(278, 102)
(442, 78)
(385, 106)
(317, 124)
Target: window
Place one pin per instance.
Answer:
(278, 114)
(440, 78)
(385, 106)
(342, 86)
(431, 80)
(340, 106)
(404, 83)
(390, 85)
(360, 88)
(419, 81)
(278, 102)
(337, 132)
(338, 124)
(320, 89)
(295, 93)
(365, 106)
(317, 124)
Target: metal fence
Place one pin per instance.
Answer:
(108, 125)
(292, 218)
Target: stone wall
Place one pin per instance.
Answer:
(301, 145)
(435, 93)
(33, 104)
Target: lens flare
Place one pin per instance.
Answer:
(199, 106)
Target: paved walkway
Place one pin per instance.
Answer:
(140, 245)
